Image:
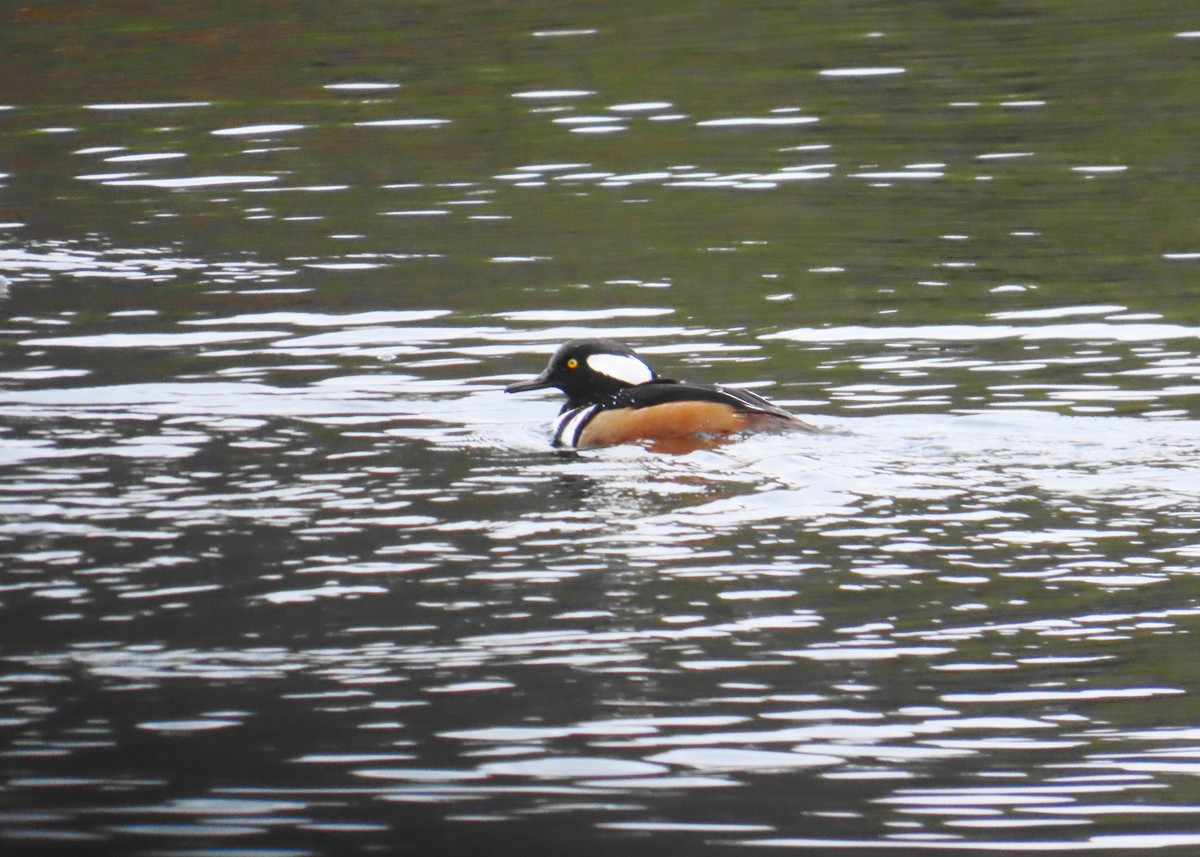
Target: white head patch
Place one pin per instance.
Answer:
(623, 367)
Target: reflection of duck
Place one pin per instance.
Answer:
(613, 396)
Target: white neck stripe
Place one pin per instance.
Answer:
(569, 426)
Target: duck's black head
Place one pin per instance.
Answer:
(590, 370)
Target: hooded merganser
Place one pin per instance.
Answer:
(613, 396)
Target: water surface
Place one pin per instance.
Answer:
(285, 572)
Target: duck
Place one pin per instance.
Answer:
(615, 397)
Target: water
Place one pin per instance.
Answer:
(285, 572)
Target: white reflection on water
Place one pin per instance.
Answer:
(982, 332)
(863, 71)
(744, 121)
(148, 105)
(458, 618)
(404, 123)
(190, 181)
(256, 130)
(553, 94)
(70, 260)
(1115, 842)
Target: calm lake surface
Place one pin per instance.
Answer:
(284, 572)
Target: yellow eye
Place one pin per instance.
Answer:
(572, 363)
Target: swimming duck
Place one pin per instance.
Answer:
(614, 396)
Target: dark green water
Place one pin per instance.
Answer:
(283, 571)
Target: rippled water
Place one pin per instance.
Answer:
(285, 572)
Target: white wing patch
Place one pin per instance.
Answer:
(631, 370)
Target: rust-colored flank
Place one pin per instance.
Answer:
(672, 421)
